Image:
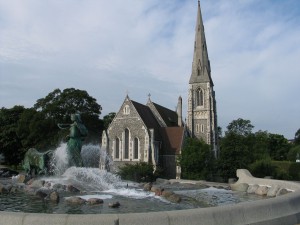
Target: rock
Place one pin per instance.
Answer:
(239, 187)
(174, 198)
(167, 193)
(94, 201)
(273, 190)
(4, 189)
(37, 183)
(114, 204)
(58, 186)
(75, 200)
(262, 190)
(156, 189)
(252, 188)
(162, 181)
(54, 196)
(41, 193)
(282, 191)
(21, 178)
(72, 189)
(147, 187)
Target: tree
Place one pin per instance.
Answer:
(59, 105)
(234, 154)
(240, 126)
(197, 160)
(297, 137)
(278, 147)
(10, 143)
(107, 119)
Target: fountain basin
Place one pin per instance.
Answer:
(281, 210)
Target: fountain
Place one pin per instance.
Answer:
(90, 190)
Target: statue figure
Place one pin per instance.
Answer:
(37, 163)
(77, 134)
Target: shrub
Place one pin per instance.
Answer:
(139, 172)
(262, 168)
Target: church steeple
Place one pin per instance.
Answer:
(202, 111)
(201, 65)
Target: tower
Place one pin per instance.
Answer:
(202, 115)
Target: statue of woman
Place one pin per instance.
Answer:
(77, 134)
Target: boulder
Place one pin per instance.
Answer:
(42, 193)
(75, 200)
(174, 198)
(94, 201)
(162, 181)
(252, 188)
(114, 204)
(282, 191)
(262, 190)
(167, 193)
(4, 189)
(273, 191)
(239, 187)
(37, 183)
(72, 189)
(54, 196)
(147, 187)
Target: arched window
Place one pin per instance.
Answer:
(136, 148)
(117, 150)
(199, 97)
(126, 110)
(126, 146)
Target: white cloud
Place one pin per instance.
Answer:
(108, 48)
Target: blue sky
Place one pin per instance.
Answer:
(110, 48)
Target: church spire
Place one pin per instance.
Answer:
(201, 65)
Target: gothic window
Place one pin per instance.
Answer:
(117, 149)
(202, 128)
(126, 144)
(126, 110)
(136, 148)
(197, 128)
(199, 97)
(198, 71)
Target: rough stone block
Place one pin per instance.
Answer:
(252, 188)
(262, 190)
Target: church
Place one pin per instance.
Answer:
(155, 134)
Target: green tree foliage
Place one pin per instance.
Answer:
(235, 154)
(197, 160)
(36, 127)
(10, 143)
(297, 137)
(278, 147)
(59, 105)
(107, 119)
(293, 153)
(240, 126)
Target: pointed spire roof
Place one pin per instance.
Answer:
(201, 65)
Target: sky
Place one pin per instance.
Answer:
(119, 47)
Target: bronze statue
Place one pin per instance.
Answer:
(77, 134)
(37, 163)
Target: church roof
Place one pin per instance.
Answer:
(172, 140)
(170, 117)
(147, 116)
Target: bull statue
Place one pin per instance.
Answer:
(37, 163)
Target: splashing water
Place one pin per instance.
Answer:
(92, 179)
(59, 161)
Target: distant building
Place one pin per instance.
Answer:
(145, 133)
(154, 134)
